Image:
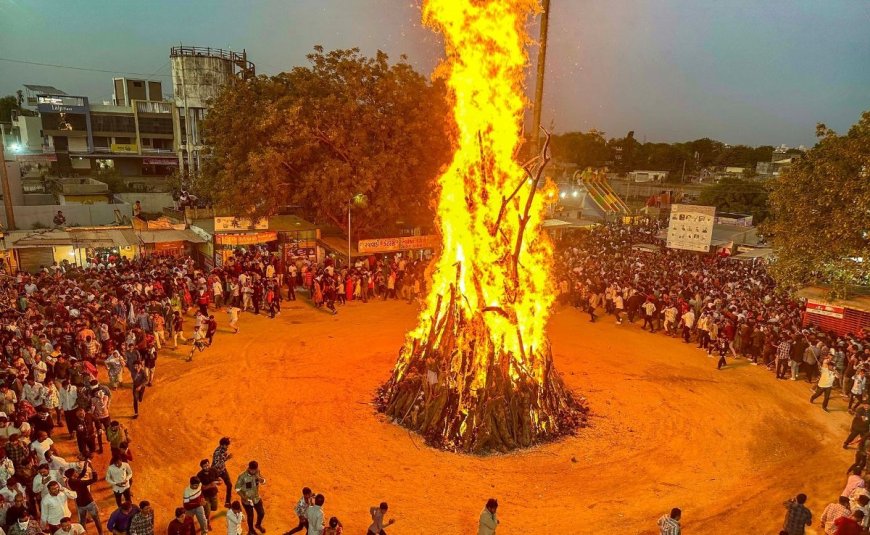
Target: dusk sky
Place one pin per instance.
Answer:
(748, 71)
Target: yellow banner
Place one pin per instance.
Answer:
(405, 243)
(125, 148)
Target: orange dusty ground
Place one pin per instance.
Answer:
(667, 430)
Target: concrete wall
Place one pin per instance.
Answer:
(82, 215)
(152, 203)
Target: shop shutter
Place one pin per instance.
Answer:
(32, 259)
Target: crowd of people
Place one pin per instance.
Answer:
(69, 334)
(72, 335)
(730, 309)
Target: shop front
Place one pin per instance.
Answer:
(226, 244)
(102, 244)
(168, 242)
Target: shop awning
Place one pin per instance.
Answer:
(37, 238)
(102, 238)
(168, 235)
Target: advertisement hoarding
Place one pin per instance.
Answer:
(691, 227)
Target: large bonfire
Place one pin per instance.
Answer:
(476, 375)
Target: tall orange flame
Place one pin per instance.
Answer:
(500, 265)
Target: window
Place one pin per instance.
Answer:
(112, 123)
(154, 125)
(137, 84)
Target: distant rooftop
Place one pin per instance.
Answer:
(45, 89)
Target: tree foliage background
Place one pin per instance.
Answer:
(319, 135)
(821, 212)
(740, 196)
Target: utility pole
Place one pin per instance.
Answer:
(539, 83)
(7, 191)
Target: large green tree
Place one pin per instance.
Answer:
(319, 135)
(738, 195)
(821, 212)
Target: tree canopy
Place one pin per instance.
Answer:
(591, 149)
(821, 212)
(738, 195)
(320, 135)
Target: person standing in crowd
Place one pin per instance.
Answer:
(54, 506)
(119, 475)
(670, 524)
(142, 522)
(378, 524)
(488, 521)
(119, 520)
(68, 527)
(797, 516)
(783, 351)
(248, 487)
(81, 485)
(182, 524)
(219, 465)
(832, 512)
(26, 525)
(860, 427)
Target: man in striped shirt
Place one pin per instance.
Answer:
(670, 524)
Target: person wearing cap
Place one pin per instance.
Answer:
(54, 505)
(488, 522)
(248, 487)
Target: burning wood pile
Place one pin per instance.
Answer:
(476, 375)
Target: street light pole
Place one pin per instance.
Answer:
(7, 191)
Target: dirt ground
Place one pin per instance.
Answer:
(666, 430)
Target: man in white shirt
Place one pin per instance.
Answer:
(235, 519)
(69, 396)
(33, 392)
(40, 446)
(826, 382)
(54, 506)
(688, 322)
(68, 527)
(7, 468)
(43, 478)
(118, 475)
